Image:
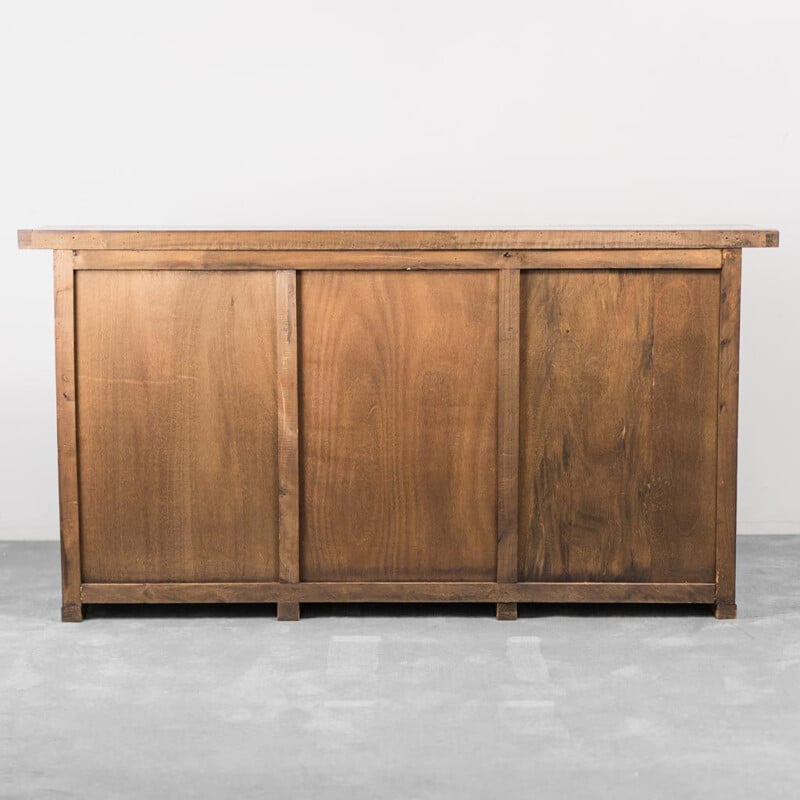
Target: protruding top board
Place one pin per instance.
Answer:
(598, 239)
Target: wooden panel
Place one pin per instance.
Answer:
(177, 426)
(652, 238)
(508, 428)
(397, 259)
(399, 425)
(67, 437)
(398, 591)
(730, 290)
(618, 426)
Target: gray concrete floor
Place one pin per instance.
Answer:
(386, 701)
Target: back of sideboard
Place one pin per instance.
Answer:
(428, 425)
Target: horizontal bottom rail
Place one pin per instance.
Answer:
(397, 592)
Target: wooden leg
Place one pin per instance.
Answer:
(289, 612)
(506, 611)
(72, 612)
(727, 416)
(725, 610)
(71, 608)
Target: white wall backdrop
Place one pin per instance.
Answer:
(408, 114)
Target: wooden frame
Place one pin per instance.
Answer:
(646, 239)
(727, 426)
(398, 591)
(71, 603)
(288, 455)
(508, 435)
(505, 252)
(395, 259)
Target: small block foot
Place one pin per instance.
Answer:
(288, 612)
(73, 612)
(725, 610)
(507, 611)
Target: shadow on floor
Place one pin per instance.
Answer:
(348, 610)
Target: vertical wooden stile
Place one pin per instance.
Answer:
(508, 433)
(64, 276)
(727, 423)
(288, 442)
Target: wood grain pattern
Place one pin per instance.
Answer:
(288, 442)
(71, 608)
(399, 425)
(177, 426)
(381, 416)
(399, 591)
(654, 238)
(508, 427)
(618, 420)
(395, 259)
(727, 426)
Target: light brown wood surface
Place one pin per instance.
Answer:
(618, 419)
(288, 444)
(728, 408)
(508, 427)
(399, 425)
(177, 426)
(287, 433)
(399, 591)
(508, 434)
(381, 416)
(395, 259)
(648, 239)
(71, 609)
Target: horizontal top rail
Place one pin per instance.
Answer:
(555, 239)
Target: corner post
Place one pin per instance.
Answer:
(727, 428)
(66, 417)
(288, 438)
(508, 434)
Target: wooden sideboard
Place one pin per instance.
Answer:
(472, 416)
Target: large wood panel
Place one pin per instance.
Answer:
(177, 426)
(398, 425)
(618, 425)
